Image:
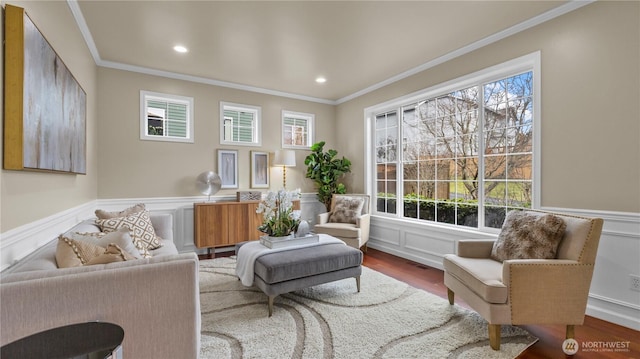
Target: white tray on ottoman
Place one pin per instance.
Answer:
(278, 242)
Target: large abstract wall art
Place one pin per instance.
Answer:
(45, 107)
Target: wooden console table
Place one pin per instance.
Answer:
(222, 224)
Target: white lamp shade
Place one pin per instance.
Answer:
(286, 158)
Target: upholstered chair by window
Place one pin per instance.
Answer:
(538, 271)
(347, 220)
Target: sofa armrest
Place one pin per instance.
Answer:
(475, 248)
(157, 304)
(163, 225)
(363, 222)
(323, 218)
(565, 283)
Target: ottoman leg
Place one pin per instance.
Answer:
(358, 283)
(271, 298)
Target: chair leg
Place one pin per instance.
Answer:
(494, 336)
(571, 332)
(358, 283)
(450, 295)
(271, 298)
(364, 248)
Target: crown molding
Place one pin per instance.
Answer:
(208, 81)
(84, 29)
(534, 21)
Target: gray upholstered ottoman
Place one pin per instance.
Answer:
(286, 271)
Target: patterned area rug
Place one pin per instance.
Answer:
(387, 319)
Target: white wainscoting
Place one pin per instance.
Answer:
(182, 210)
(618, 256)
(420, 242)
(17, 243)
(610, 298)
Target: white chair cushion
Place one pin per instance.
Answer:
(481, 275)
(340, 230)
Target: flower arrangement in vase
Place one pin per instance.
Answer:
(279, 218)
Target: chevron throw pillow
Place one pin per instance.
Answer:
(140, 227)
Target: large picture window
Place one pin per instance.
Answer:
(460, 155)
(166, 117)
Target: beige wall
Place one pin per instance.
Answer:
(590, 104)
(130, 167)
(590, 114)
(28, 196)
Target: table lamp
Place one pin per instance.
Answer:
(285, 158)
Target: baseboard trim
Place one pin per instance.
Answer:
(614, 311)
(418, 259)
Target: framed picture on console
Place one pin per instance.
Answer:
(228, 168)
(259, 169)
(44, 105)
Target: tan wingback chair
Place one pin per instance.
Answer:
(356, 234)
(527, 291)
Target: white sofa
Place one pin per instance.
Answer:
(156, 300)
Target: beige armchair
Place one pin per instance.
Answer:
(354, 230)
(527, 291)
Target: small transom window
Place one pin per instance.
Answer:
(297, 129)
(166, 117)
(240, 124)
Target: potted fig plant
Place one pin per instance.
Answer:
(325, 169)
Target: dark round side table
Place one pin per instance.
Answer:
(90, 340)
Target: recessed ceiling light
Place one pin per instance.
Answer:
(320, 80)
(180, 48)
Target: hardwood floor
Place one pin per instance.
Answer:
(550, 337)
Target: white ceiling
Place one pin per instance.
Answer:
(281, 47)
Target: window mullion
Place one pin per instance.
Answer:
(256, 130)
(399, 165)
(165, 129)
(480, 134)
